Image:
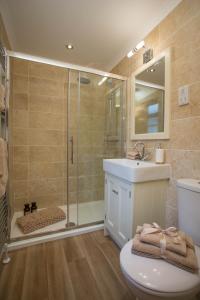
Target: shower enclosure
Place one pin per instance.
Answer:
(63, 123)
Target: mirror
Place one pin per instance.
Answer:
(150, 107)
(113, 114)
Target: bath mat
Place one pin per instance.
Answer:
(40, 219)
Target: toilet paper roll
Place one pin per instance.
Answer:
(160, 156)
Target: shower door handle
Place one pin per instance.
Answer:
(72, 149)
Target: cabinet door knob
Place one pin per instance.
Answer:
(115, 192)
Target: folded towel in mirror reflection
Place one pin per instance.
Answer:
(2, 96)
(3, 166)
(169, 244)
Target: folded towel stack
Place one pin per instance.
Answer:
(2, 96)
(3, 166)
(170, 244)
(40, 219)
(133, 155)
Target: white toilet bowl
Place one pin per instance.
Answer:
(155, 279)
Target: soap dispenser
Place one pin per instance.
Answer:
(159, 155)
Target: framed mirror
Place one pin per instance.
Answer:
(150, 109)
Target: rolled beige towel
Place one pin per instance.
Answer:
(40, 219)
(188, 262)
(2, 96)
(3, 166)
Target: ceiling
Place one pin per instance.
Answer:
(102, 31)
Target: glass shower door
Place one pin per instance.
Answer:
(72, 148)
(91, 132)
(95, 132)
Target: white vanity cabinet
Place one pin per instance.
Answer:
(130, 204)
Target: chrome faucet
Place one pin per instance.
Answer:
(140, 149)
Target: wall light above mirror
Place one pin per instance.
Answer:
(150, 103)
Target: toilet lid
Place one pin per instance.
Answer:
(156, 274)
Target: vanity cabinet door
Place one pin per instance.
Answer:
(118, 218)
(112, 204)
(125, 213)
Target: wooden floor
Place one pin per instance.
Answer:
(75, 268)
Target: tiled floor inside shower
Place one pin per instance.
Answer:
(88, 212)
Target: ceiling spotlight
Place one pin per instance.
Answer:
(130, 54)
(137, 48)
(152, 70)
(69, 46)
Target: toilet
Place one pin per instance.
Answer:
(155, 279)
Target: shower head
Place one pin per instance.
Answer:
(84, 80)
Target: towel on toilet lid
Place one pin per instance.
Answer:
(174, 240)
(188, 262)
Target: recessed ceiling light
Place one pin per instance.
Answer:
(151, 70)
(69, 46)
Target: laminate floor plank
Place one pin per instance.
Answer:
(59, 280)
(85, 286)
(108, 281)
(35, 274)
(12, 276)
(84, 267)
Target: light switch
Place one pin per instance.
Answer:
(183, 95)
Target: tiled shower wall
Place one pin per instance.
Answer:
(179, 31)
(38, 134)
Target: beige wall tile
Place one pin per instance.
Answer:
(45, 187)
(20, 84)
(39, 137)
(46, 170)
(46, 121)
(20, 188)
(47, 154)
(20, 118)
(20, 171)
(46, 71)
(19, 203)
(85, 196)
(20, 154)
(46, 87)
(47, 104)
(20, 101)
(19, 66)
(19, 137)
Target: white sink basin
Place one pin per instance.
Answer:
(136, 170)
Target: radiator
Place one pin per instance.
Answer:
(4, 203)
(4, 216)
